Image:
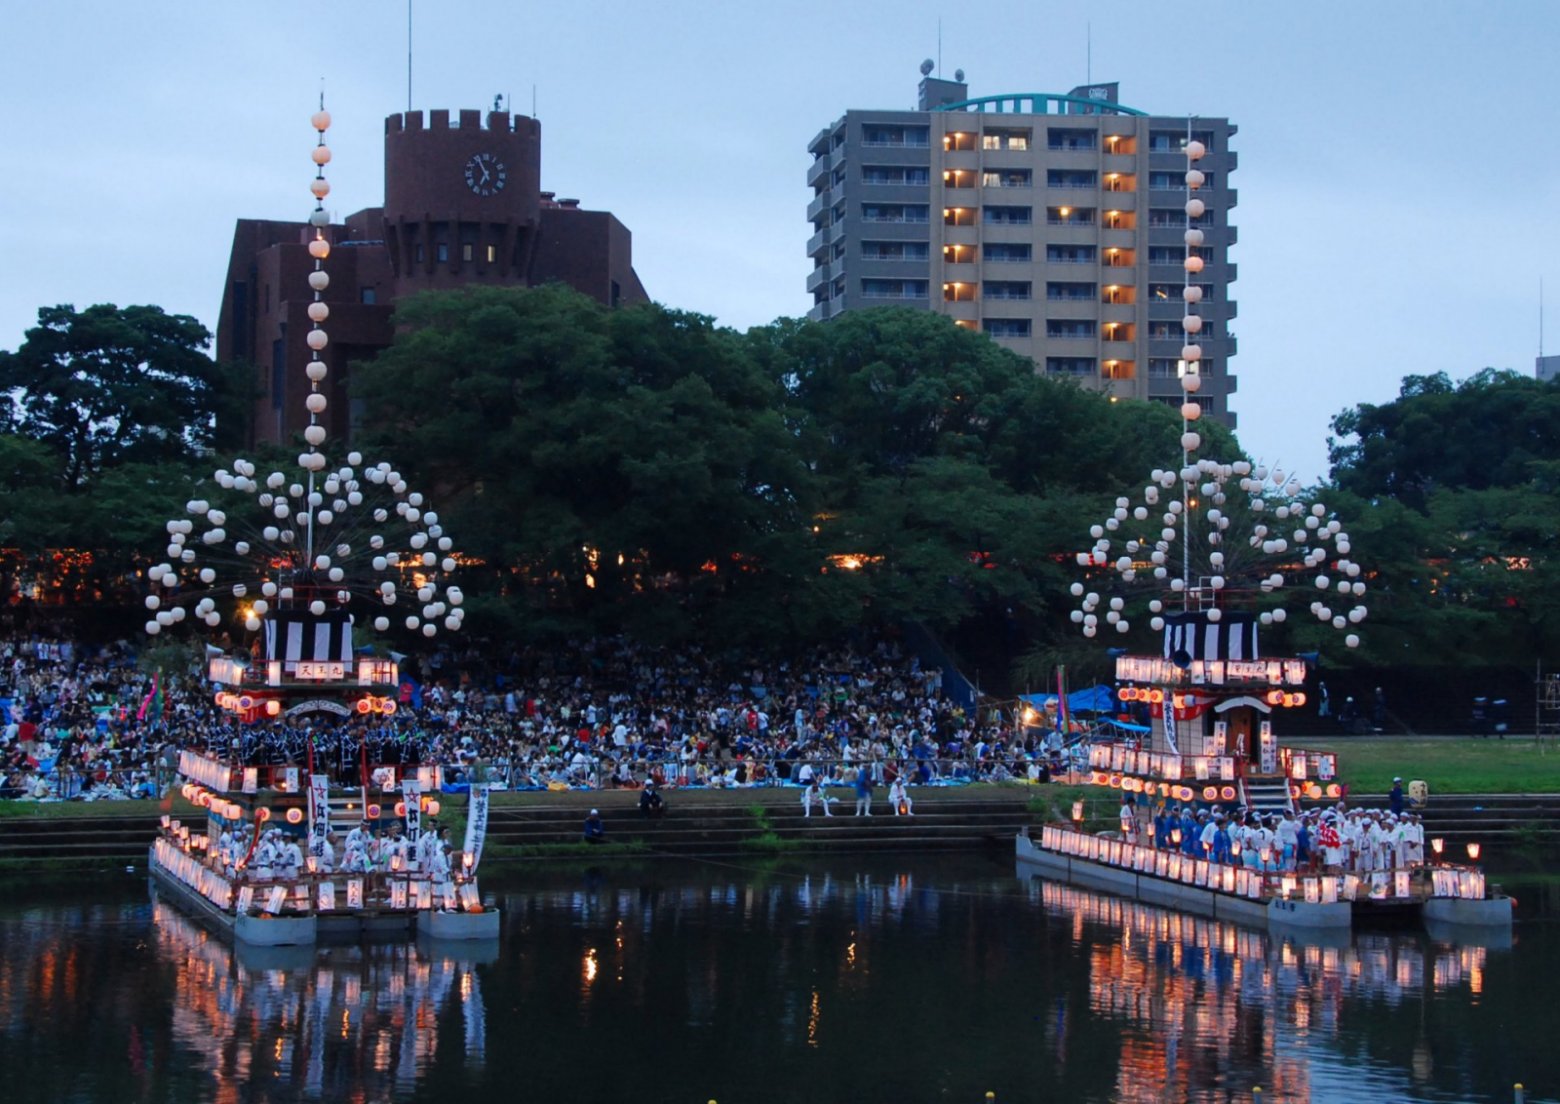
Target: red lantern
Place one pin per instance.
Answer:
(295, 815)
(400, 808)
(364, 705)
(371, 812)
(1210, 793)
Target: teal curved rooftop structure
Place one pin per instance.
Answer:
(1040, 103)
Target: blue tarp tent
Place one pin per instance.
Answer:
(1096, 699)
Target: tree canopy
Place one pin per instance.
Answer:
(105, 386)
(1450, 492)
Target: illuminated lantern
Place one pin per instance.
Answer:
(433, 808)
(389, 706)
(1437, 845)
(1077, 812)
(246, 702)
(262, 814)
(400, 808)
(364, 705)
(1210, 793)
(273, 707)
(1227, 793)
(295, 815)
(1335, 790)
(1473, 852)
(1125, 693)
(371, 812)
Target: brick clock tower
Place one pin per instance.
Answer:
(462, 199)
(463, 205)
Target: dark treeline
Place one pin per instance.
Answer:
(645, 471)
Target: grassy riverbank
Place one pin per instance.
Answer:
(1451, 765)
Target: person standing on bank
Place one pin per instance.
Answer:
(863, 791)
(1395, 798)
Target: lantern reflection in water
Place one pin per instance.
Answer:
(1200, 995)
(275, 1008)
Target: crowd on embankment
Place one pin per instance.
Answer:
(86, 721)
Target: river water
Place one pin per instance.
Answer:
(883, 979)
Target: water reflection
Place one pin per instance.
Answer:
(347, 1023)
(1212, 1008)
(849, 979)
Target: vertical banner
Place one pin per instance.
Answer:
(289, 780)
(476, 826)
(398, 895)
(327, 898)
(411, 795)
(354, 893)
(1170, 737)
(246, 898)
(1268, 749)
(275, 899)
(424, 894)
(1221, 738)
(319, 814)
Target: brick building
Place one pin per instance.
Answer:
(463, 205)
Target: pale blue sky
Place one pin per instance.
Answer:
(1398, 161)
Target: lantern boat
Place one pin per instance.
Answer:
(330, 543)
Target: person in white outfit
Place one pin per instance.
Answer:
(812, 793)
(899, 798)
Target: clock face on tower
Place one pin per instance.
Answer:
(486, 174)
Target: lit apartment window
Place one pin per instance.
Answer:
(1069, 216)
(960, 216)
(1161, 293)
(1120, 220)
(1007, 252)
(1123, 144)
(1118, 369)
(966, 323)
(959, 140)
(958, 291)
(1120, 182)
(1006, 178)
(1070, 366)
(1006, 327)
(959, 178)
(466, 251)
(1118, 294)
(1007, 216)
(492, 254)
(1118, 331)
(1005, 140)
(958, 254)
(1120, 258)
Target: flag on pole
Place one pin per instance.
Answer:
(151, 699)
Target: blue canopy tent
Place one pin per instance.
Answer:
(1096, 699)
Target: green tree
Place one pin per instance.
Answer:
(632, 466)
(106, 386)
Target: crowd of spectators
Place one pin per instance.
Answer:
(91, 722)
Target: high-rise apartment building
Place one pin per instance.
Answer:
(1054, 223)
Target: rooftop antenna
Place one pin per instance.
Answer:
(498, 103)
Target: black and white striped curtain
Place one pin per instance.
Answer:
(291, 637)
(1234, 636)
